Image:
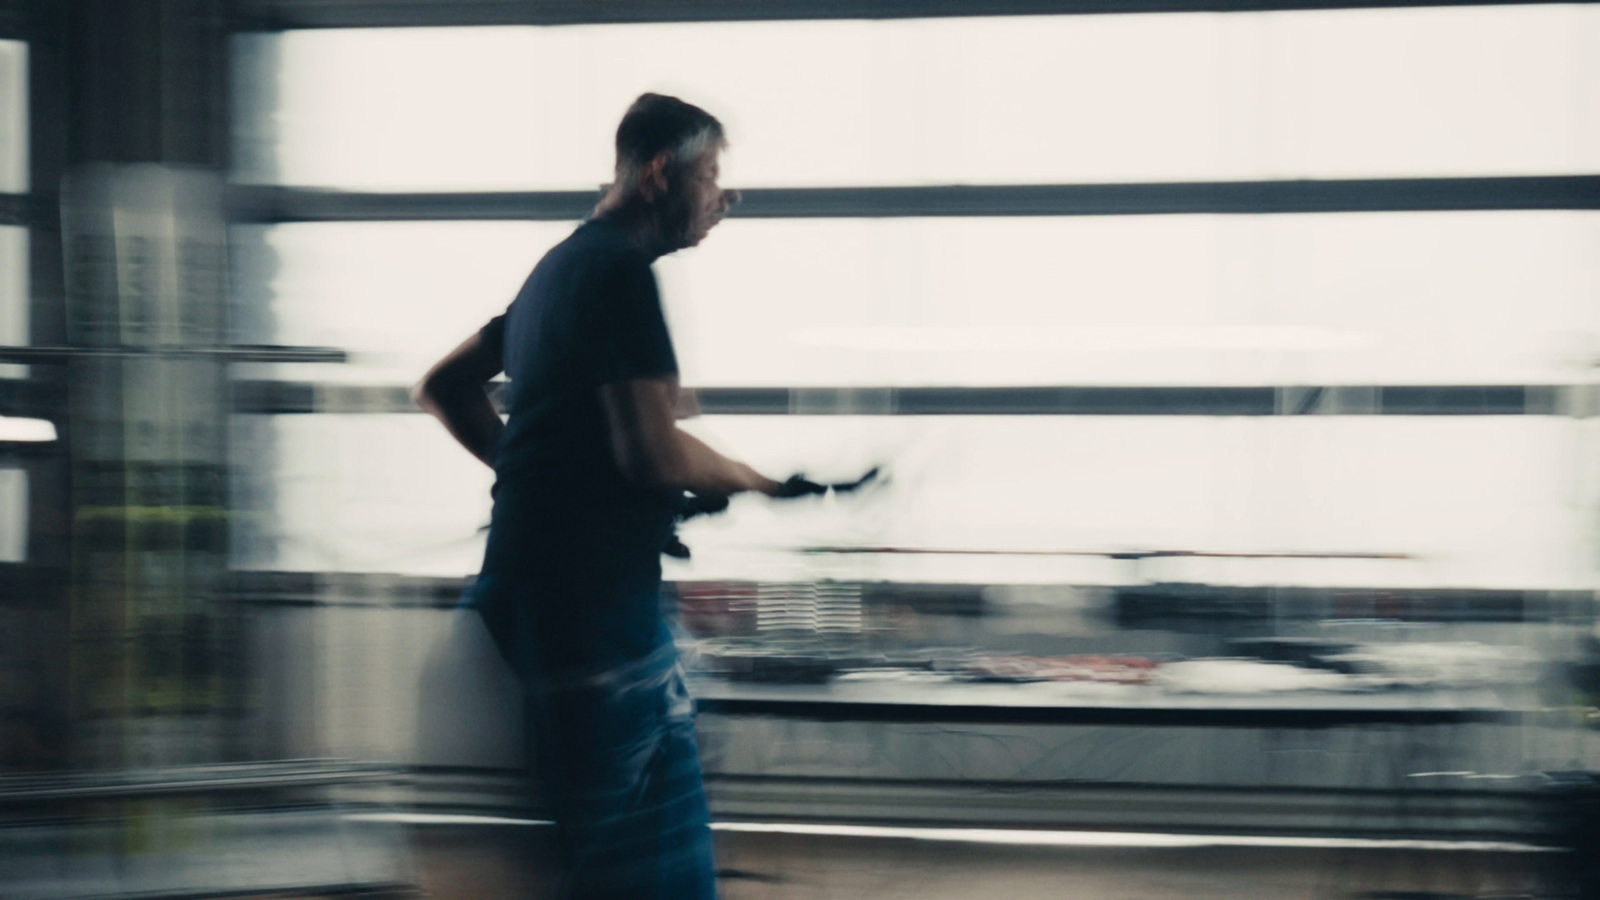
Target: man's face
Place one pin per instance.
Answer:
(703, 202)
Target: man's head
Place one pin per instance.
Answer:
(667, 161)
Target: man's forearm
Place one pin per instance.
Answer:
(469, 415)
(696, 467)
(651, 449)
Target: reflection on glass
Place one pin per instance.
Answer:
(1308, 299)
(1362, 93)
(13, 117)
(1471, 502)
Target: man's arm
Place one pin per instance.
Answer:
(454, 392)
(651, 449)
(687, 405)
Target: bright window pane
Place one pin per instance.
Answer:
(356, 493)
(13, 117)
(1477, 502)
(13, 294)
(13, 516)
(1485, 502)
(1362, 93)
(396, 295)
(1289, 299)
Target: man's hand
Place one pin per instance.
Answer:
(692, 504)
(701, 505)
(798, 486)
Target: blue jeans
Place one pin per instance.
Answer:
(622, 769)
(617, 757)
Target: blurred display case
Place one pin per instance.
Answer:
(1185, 705)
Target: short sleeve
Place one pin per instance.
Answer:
(494, 333)
(633, 341)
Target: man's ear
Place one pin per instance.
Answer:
(653, 176)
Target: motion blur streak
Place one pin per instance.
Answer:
(1230, 377)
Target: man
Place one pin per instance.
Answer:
(590, 466)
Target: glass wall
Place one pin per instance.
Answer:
(1494, 90)
(1460, 298)
(1386, 298)
(13, 117)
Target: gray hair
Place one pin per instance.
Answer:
(685, 153)
(655, 124)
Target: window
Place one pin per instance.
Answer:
(1481, 297)
(1174, 97)
(357, 493)
(1399, 298)
(1478, 502)
(13, 117)
(13, 516)
(13, 294)
(397, 295)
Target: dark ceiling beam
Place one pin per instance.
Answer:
(264, 204)
(17, 20)
(285, 14)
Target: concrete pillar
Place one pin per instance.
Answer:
(153, 661)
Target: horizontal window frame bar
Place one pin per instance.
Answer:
(34, 398)
(820, 708)
(258, 204)
(19, 210)
(262, 15)
(18, 355)
(179, 780)
(269, 587)
(291, 398)
(23, 453)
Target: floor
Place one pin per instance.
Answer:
(475, 863)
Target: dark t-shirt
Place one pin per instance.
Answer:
(574, 547)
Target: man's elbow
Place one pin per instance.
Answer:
(425, 394)
(434, 391)
(648, 468)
